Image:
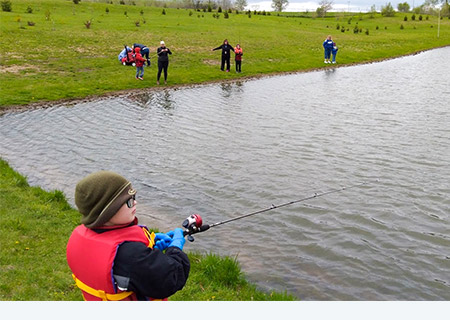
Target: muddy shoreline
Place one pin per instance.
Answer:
(133, 92)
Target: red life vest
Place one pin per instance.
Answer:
(238, 52)
(90, 256)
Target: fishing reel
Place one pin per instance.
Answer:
(193, 224)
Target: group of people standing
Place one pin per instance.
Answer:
(331, 49)
(142, 52)
(141, 55)
(226, 55)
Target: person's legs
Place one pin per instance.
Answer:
(160, 67)
(222, 65)
(145, 53)
(228, 64)
(166, 66)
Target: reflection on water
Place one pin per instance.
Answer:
(227, 149)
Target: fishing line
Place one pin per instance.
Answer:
(194, 223)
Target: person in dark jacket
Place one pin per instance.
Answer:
(114, 258)
(328, 47)
(334, 52)
(163, 61)
(145, 52)
(226, 48)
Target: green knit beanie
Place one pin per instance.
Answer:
(100, 195)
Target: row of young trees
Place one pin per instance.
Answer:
(429, 6)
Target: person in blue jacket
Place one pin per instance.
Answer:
(328, 46)
(334, 51)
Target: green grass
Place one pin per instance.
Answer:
(59, 58)
(35, 226)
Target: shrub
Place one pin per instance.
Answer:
(190, 13)
(29, 10)
(76, 1)
(405, 18)
(367, 32)
(219, 10)
(88, 24)
(343, 29)
(355, 29)
(122, 2)
(137, 23)
(163, 12)
(338, 26)
(6, 6)
(413, 17)
(387, 11)
(420, 18)
(31, 23)
(225, 15)
(402, 27)
(107, 10)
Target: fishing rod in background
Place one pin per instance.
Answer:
(194, 223)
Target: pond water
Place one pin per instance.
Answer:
(223, 150)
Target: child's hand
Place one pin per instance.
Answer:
(162, 241)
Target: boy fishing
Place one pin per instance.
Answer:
(114, 258)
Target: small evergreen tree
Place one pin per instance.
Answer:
(6, 6)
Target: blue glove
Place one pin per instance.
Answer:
(162, 241)
(177, 238)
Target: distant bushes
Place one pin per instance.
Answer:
(6, 6)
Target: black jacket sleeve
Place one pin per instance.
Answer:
(151, 273)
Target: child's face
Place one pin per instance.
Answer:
(124, 215)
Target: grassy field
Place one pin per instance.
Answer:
(35, 226)
(60, 58)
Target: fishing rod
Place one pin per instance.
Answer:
(194, 223)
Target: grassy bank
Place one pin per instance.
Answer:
(35, 226)
(50, 54)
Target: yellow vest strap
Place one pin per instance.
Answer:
(100, 293)
(150, 237)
